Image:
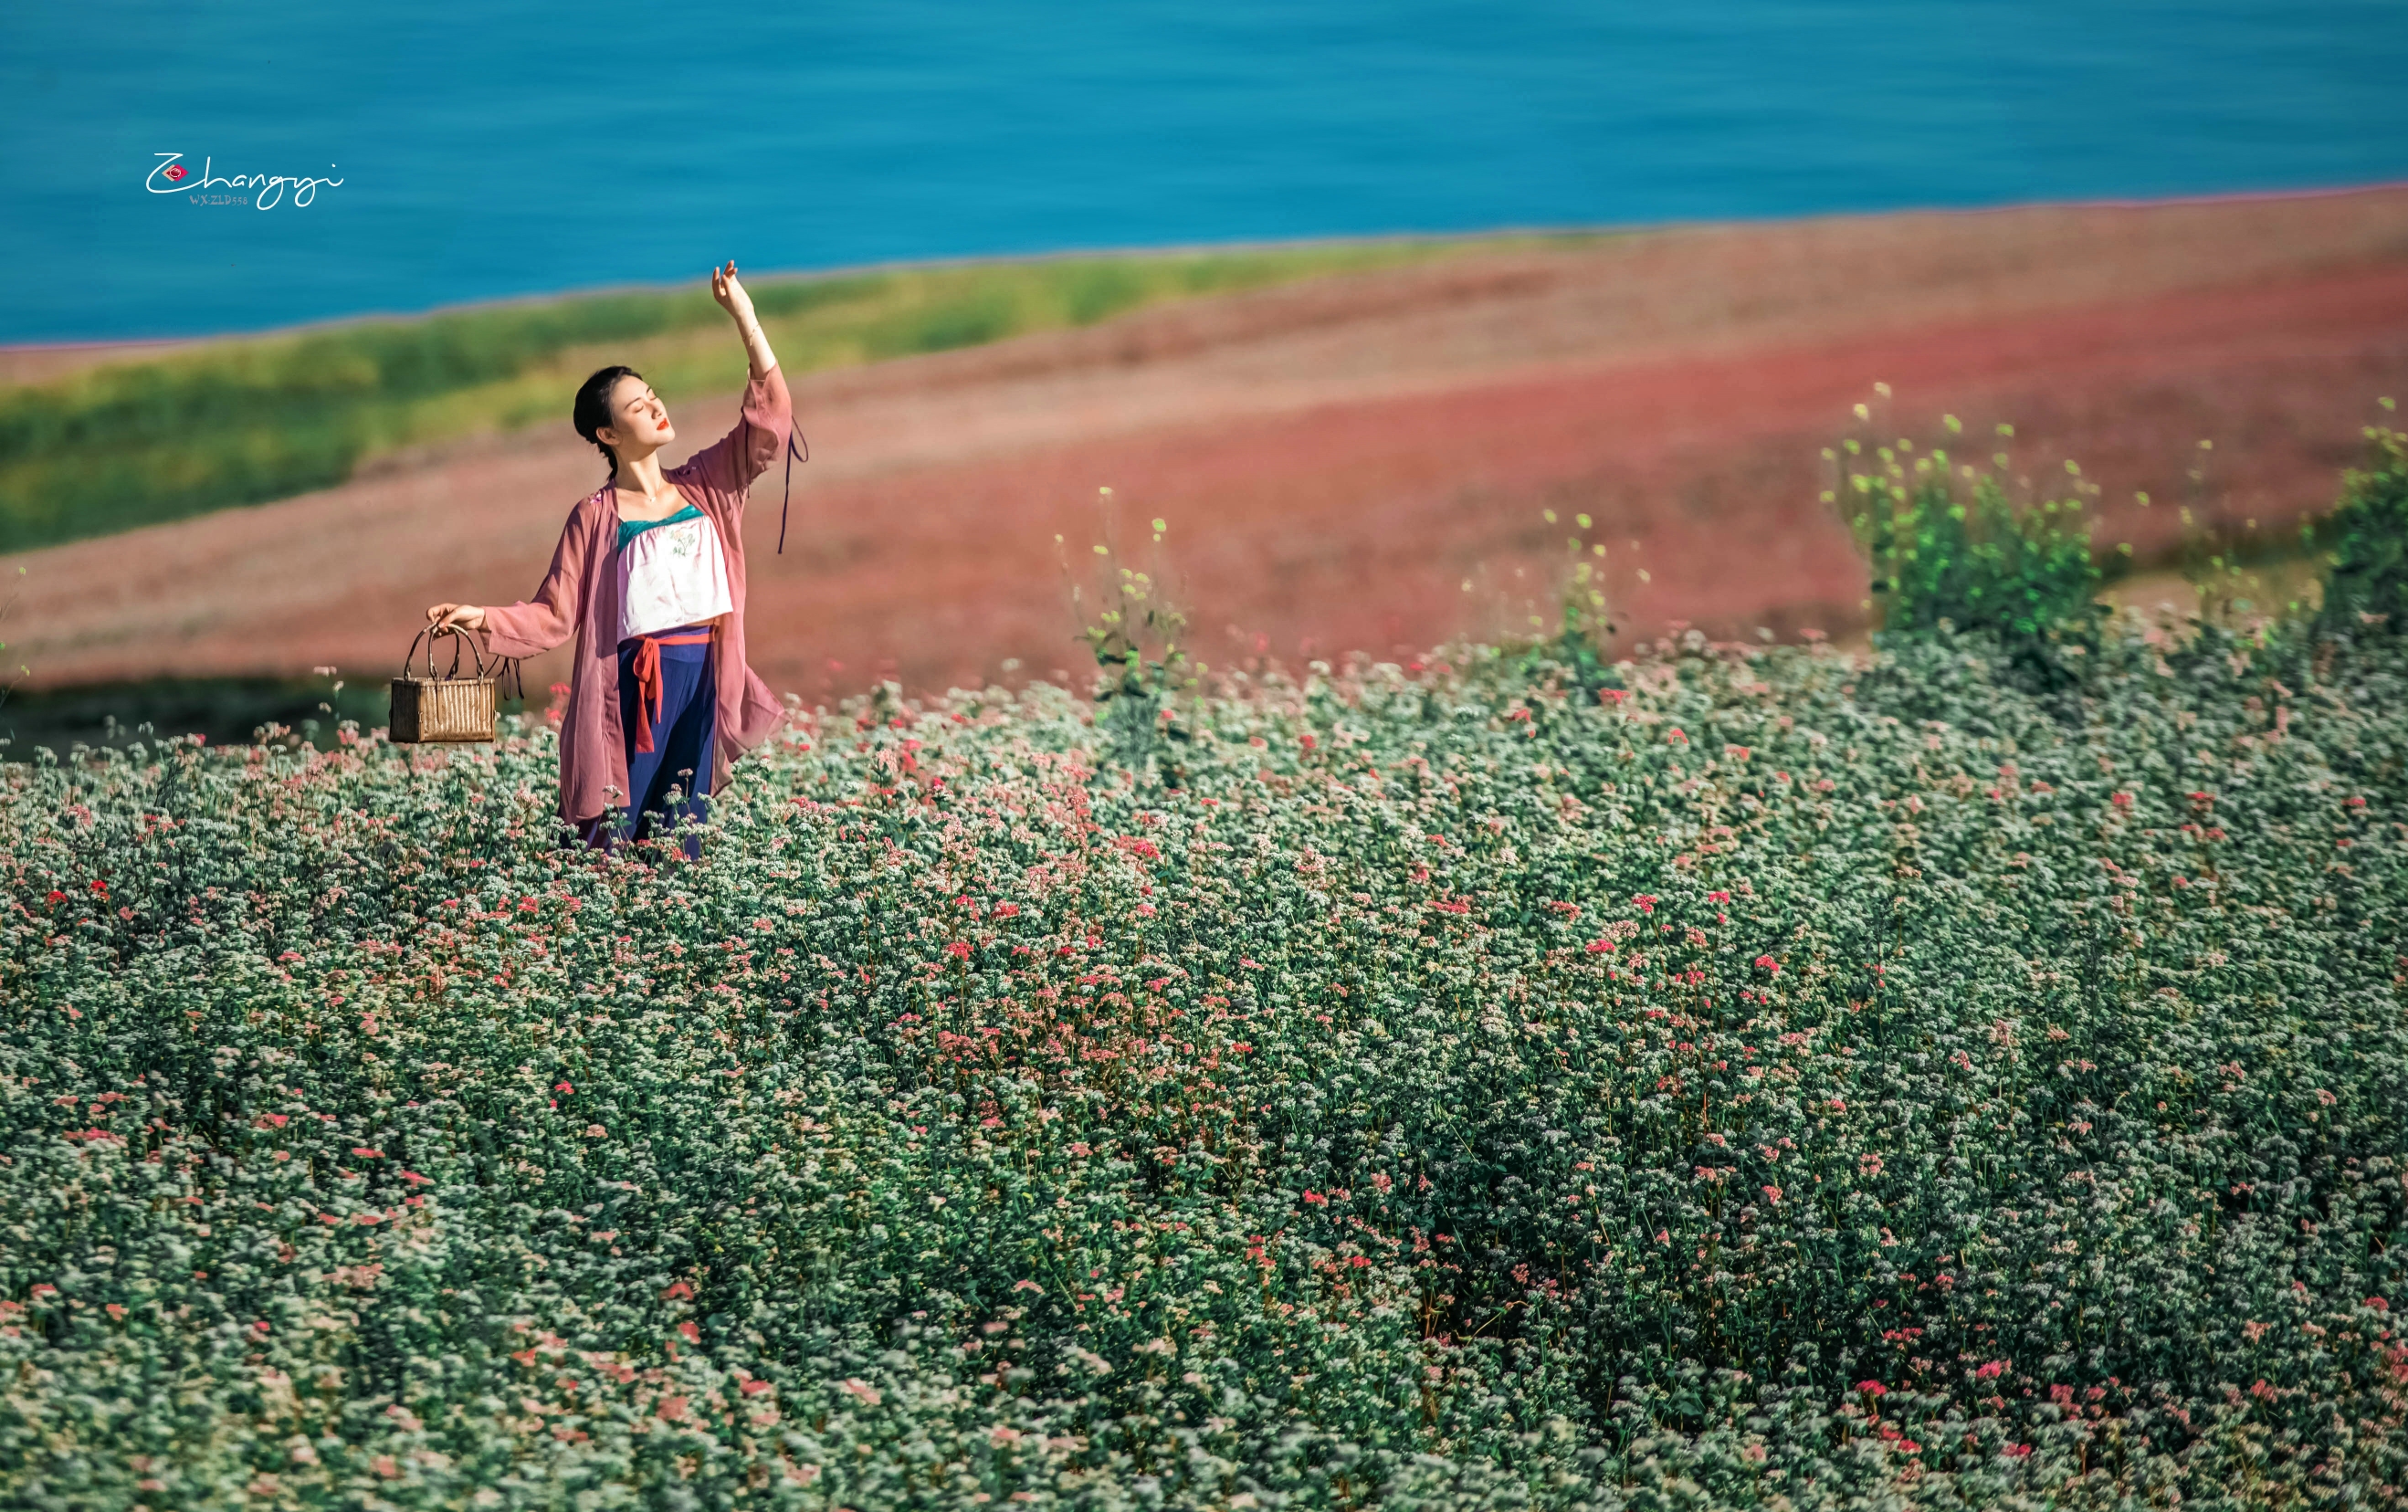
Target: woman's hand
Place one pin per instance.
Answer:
(739, 304)
(730, 294)
(458, 616)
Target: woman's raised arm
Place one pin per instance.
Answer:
(732, 462)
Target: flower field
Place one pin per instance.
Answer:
(1788, 1079)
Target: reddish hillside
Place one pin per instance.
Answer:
(1337, 459)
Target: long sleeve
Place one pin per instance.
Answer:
(531, 627)
(732, 462)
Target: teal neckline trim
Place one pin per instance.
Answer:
(630, 529)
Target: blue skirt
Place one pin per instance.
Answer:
(673, 778)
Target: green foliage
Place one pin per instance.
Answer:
(247, 421)
(1576, 646)
(1134, 631)
(2366, 589)
(1950, 550)
(1460, 1093)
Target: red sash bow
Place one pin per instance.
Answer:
(648, 679)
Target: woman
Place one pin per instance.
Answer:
(648, 577)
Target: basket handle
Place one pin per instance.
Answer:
(427, 636)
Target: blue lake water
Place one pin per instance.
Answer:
(509, 149)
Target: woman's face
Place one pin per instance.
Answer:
(639, 422)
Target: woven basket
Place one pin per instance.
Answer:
(449, 707)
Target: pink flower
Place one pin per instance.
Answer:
(2121, 801)
(1643, 902)
(959, 949)
(1872, 1388)
(1772, 1195)
(1769, 964)
(1006, 910)
(1599, 946)
(1316, 1198)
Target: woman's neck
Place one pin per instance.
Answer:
(642, 477)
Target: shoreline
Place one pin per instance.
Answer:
(18, 358)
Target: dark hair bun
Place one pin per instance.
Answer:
(593, 408)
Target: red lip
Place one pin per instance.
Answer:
(661, 427)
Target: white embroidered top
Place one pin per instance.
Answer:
(671, 572)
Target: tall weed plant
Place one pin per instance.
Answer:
(1130, 623)
(1952, 549)
(2366, 587)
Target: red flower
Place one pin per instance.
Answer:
(175, 173)
(959, 949)
(1316, 1199)
(1872, 1388)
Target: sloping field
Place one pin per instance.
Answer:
(1338, 458)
